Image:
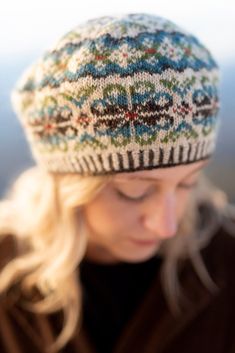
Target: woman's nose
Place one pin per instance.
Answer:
(161, 218)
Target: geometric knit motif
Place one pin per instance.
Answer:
(120, 93)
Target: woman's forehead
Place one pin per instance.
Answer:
(159, 174)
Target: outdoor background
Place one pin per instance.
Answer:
(28, 28)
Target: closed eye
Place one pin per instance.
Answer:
(142, 197)
(188, 186)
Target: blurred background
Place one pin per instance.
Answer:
(28, 28)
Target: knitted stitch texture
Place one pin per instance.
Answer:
(120, 93)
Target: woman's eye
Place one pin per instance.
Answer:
(126, 197)
(188, 186)
(142, 197)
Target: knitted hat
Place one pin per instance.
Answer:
(120, 93)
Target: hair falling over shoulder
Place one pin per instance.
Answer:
(42, 212)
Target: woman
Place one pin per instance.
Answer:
(115, 241)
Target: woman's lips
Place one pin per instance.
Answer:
(144, 242)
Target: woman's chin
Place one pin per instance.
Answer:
(137, 254)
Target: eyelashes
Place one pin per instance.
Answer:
(142, 197)
(128, 198)
(188, 186)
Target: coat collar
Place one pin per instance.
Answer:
(151, 330)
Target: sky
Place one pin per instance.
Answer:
(30, 27)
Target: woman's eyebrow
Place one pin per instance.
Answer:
(157, 179)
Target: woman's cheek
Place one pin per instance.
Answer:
(122, 213)
(109, 211)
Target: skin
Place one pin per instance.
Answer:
(114, 220)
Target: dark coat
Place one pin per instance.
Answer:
(207, 326)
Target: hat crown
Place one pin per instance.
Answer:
(121, 93)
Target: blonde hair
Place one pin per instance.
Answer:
(42, 211)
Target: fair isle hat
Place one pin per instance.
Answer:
(120, 93)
